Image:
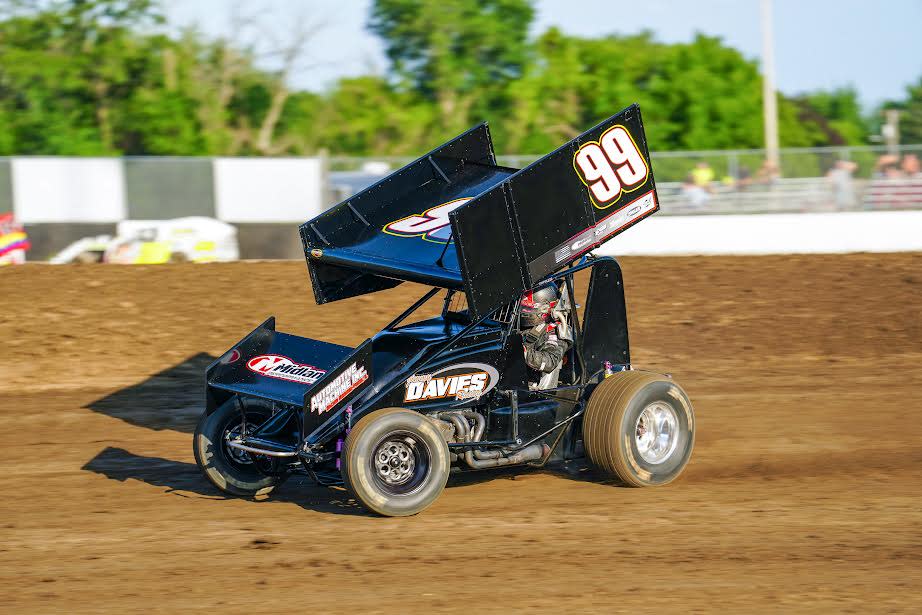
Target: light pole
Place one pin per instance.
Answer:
(769, 97)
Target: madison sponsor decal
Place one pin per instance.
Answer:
(283, 368)
(339, 388)
(432, 225)
(462, 381)
(605, 228)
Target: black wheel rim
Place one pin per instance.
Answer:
(400, 463)
(236, 457)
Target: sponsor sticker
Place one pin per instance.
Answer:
(283, 368)
(339, 388)
(605, 228)
(432, 225)
(230, 357)
(461, 381)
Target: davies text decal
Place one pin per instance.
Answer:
(462, 381)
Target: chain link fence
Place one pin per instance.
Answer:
(808, 162)
(737, 181)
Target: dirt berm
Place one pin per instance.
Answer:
(804, 492)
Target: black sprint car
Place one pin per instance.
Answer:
(421, 398)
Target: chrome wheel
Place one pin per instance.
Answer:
(400, 463)
(657, 432)
(394, 462)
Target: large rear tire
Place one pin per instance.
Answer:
(640, 427)
(395, 462)
(232, 471)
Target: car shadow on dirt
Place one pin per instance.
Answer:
(170, 399)
(184, 480)
(581, 470)
(578, 470)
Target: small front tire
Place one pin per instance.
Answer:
(395, 462)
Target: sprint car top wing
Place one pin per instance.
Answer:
(455, 219)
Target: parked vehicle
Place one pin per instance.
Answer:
(194, 239)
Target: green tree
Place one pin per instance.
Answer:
(368, 115)
(832, 117)
(64, 68)
(911, 116)
(460, 54)
(700, 95)
(100, 77)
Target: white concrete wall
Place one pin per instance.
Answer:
(872, 231)
(93, 190)
(268, 189)
(68, 190)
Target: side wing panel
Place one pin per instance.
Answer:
(490, 263)
(347, 252)
(560, 207)
(605, 335)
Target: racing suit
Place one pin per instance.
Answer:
(545, 346)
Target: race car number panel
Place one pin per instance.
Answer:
(611, 166)
(432, 225)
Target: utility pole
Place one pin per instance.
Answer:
(769, 97)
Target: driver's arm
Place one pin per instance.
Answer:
(542, 353)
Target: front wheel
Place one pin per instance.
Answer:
(231, 470)
(395, 462)
(640, 427)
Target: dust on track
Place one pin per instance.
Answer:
(803, 493)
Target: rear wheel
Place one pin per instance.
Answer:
(231, 470)
(640, 427)
(395, 462)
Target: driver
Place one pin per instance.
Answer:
(545, 332)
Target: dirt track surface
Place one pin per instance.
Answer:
(804, 492)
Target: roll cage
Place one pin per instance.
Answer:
(507, 316)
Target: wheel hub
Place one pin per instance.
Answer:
(240, 456)
(657, 432)
(394, 462)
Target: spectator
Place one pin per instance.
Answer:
(840, 177)
(887, 167)
(696, 195)
(744, 179)
(768, 173)
(911, 166)
(703, 175)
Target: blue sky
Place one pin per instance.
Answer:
(874, 45)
